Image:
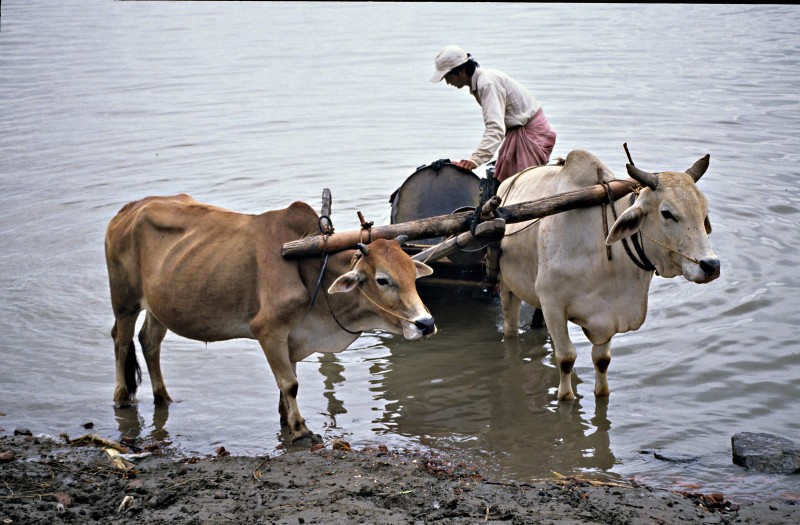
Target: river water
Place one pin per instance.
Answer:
(251, 106)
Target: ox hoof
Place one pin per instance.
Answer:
(128, 403)
(307, 440)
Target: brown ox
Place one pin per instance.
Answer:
(211, 274)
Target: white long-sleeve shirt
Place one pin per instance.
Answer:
(505, 104)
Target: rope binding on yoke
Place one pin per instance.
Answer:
(365, 226)
(325, 225)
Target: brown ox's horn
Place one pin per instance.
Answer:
(642, 177)
(698, 168)
(363, 248)
(401, 239)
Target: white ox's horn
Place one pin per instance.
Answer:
(698, 168)
(642, 177)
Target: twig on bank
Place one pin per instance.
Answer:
(257, 472)
(560, 478)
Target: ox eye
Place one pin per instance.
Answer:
(668, 215)
(382, 281)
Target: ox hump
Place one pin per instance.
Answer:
(581, 168)
(300, 208)
(301, 218)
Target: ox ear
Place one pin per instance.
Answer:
(422, 269)
(699, 167)
(345, 282)
(628, 223)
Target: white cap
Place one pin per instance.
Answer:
(448, 59)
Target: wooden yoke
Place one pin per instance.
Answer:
(447, 225)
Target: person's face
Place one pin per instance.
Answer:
(457, 80)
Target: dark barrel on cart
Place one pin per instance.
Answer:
(442, 188)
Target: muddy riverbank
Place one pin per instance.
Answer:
(44, 480)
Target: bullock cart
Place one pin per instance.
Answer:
(546, 267)
(452, 220)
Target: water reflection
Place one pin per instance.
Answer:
(131, 424)
(494, 396)
(333, 372)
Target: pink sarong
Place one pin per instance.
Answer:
(525, 146)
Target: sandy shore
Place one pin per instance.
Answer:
(45, 481)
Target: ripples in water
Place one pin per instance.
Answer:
(124, 100)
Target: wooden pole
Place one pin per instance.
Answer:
(446, 225)
(486, 232)
(325, 214)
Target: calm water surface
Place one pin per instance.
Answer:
(254, 105)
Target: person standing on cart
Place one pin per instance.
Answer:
(511, 115)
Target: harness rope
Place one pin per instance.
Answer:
(503, 200)
(327, 301)
(436, 248)
(642, 262)
(688, 258)
(368, 298)
(326, 230)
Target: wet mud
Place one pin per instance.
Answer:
(52, 481)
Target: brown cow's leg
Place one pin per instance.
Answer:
(283, 370)
(125, 357)
(274, 340)
(150, 337)
(283, 409)
(564, 350)
(601, 357)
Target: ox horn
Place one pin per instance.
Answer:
(401, 239)
(698, 168)
(642, 177)
(363, 248)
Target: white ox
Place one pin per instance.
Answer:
(559, 264)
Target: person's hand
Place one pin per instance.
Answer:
(466, 164)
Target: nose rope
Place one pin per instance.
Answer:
(670, 249)
(367, 297)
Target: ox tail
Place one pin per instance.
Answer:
(133, 373)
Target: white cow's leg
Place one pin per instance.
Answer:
(511, 306)
(601, 357)
(127, 367)
(564, 350)
(150, 337)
